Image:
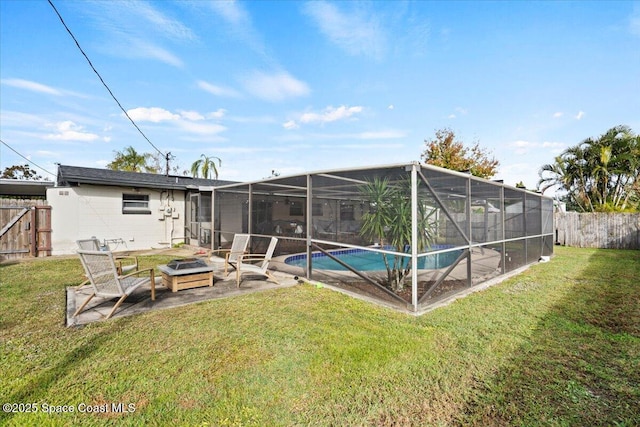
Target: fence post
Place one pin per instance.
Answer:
(33, 228)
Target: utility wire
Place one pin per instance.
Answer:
(39, 167)
(103, 82)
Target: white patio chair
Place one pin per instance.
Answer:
(238, 247)
(261, 268)
(101, 269)
(93, 244)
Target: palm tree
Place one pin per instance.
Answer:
(131, 161)
(204, 166)
(598, 174)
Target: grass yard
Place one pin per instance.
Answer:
(556, 345)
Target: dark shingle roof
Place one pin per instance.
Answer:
(73, 175)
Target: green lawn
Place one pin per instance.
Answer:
(556, 345)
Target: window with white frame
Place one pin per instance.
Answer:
(135, 204)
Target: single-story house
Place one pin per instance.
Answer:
(129, 210)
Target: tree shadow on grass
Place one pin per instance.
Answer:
(581, 365)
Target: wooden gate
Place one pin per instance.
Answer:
(25, 231)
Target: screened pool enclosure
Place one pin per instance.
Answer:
(406, 235)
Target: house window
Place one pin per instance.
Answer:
(135, 204)
(347, 212)
(295, 209)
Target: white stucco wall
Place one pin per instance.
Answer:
(89, 210)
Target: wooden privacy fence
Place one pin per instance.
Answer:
(25, 230)
(598, 230)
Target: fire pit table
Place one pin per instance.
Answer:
(186, 274)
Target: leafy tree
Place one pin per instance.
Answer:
(23, 172)
(601, 174)
(204, 166)
(130, 160)
(389, 222)
(446, 151)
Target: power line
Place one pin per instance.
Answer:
(39, 167)
(103, 82)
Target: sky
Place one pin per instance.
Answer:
(296, 87)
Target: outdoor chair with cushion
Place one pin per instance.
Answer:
(101, 270)
(125, 263)
(245, 261)
(238, 247)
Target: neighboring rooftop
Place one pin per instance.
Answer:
(24, 188)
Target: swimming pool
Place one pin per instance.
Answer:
(363, 260)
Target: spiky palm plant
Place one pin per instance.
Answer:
(389, 222)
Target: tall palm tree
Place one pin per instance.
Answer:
(598, 174)
(131, 161)
(204, 166)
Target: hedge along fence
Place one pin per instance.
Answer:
(598, 230)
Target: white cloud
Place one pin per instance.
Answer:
(231, 12)
(19, 119)
(291, 124)
(191, 115)
(237, 24)
(153, 114)
(69, 131)
(217, 90)
(32, 86)
(275, 87)
(391, 107)
(330, 114)
(451, 116)
(558, 114)
(189, 121)
(355, 32)
(521, 144)
(580, 115)
(39, 88)
(218, 114)
(136, 29)
(168, 27)
(146, 49)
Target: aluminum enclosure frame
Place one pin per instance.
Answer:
(482, 228)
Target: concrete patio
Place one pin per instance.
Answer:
(140, 300)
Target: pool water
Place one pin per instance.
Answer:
(362, 260)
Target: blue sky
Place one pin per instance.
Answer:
(305, 86)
